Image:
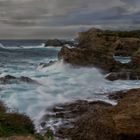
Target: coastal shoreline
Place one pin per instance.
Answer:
(96, 120)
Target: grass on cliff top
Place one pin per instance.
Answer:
(135, 33)
(16, 124)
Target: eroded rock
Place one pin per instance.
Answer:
(8, 79)
(99, 57)
(100, 120)
(43, 65)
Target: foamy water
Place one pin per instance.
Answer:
(59, 83)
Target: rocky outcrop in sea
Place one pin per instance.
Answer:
(98, 120)
(97, 48)
(59, 43)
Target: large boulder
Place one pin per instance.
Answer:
(135, 64)
(59, 43)
(101, 121)
(9, 79)
(126, 116)
(99, 57)
(126, 46)
(53, 42)
(97, 48)
(123, 75)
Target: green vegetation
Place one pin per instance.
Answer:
(134, 33)
(16, 124)
(49, 135)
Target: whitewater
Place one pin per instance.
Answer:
(59, 83)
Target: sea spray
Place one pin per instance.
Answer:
(60, 82)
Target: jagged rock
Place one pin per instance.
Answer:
(118, 76)
(59, 43)
(97, 48)
(121, 94)
(135, 64)
(99, 57)
(101, 121)
(136, 59)
(27, 80)
(126, 46)
(123, 76)
(53, 42)
(8, 79)
(43, 65)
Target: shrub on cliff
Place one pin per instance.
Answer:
(15, 124)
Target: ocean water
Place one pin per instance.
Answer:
(59, 83)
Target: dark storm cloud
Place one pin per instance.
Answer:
(51, 18)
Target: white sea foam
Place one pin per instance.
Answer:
(1, 45)
(60, 83)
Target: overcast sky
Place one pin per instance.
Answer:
(64, 18)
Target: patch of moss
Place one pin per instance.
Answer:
(15, 124)
(49, 135)
(134, 33)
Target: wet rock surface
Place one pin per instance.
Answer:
(124, 75)
(59, 43)
(99, 120)
(89, 57)
(43, 65)
(9, 79)
(98, 47)
(126, 46)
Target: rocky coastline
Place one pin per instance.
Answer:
(98, 47)
(59, 43)
(88, 120)
(99, 120)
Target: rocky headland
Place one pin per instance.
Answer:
(98, 47)
(59, 43)
(98, 120)
(88, 120)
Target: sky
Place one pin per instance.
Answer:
(42, 19)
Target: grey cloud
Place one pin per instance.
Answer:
(45, 18)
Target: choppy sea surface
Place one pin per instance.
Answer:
(59, 83)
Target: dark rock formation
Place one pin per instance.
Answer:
(99, 57)
(126, 46)
(8, 79)
(121, 94)
(59, 43)
(136, 63)
(97, 48)
(117, 76)
(102, 121)
(123, 75)
(53, 42)
(43, 65)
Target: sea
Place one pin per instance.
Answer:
(58, 83)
